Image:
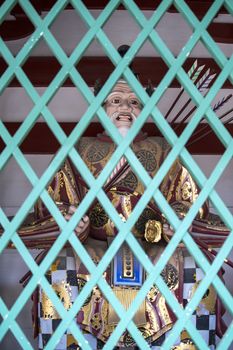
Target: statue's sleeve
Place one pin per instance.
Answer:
(40, 229)
(64, 189)
(180, 189)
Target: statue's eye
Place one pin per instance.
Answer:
(135, 102)
(116, 101)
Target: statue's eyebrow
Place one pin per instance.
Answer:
(116, 92)
(133, 95)
(112, 94)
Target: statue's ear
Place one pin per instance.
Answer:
(97, 86)
(149, 88)
(122, 51)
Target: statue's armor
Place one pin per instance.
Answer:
(96, 153)
(178, 185)
(154, 318)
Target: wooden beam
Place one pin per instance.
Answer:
(197, 6)
(221, 32)
(22, 27)
(41, 70)
(18, 29)
(34, 143)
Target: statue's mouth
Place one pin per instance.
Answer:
(124, 117)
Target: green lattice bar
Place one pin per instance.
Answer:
(26, 256)
(175, 68)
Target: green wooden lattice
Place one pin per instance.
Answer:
(152, 185)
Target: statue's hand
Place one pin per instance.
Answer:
(83, 227)
(167, 231)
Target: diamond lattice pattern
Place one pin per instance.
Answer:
(95, 185)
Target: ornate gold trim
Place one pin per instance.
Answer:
(153, 231)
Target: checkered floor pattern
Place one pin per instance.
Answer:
(63, 271)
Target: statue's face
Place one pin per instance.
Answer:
(122, 106)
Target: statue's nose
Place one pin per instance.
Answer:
(125, 106)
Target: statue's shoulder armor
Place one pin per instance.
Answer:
(93, 150)
(151, 152)
(159, 142)
(84, 143)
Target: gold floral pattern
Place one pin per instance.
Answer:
(186, 191)
(63, 291)
(208, 302)
(96, 321)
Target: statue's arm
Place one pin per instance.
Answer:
(40, 229)
(181, 191)
(63, 189)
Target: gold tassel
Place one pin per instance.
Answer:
(126, 296)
